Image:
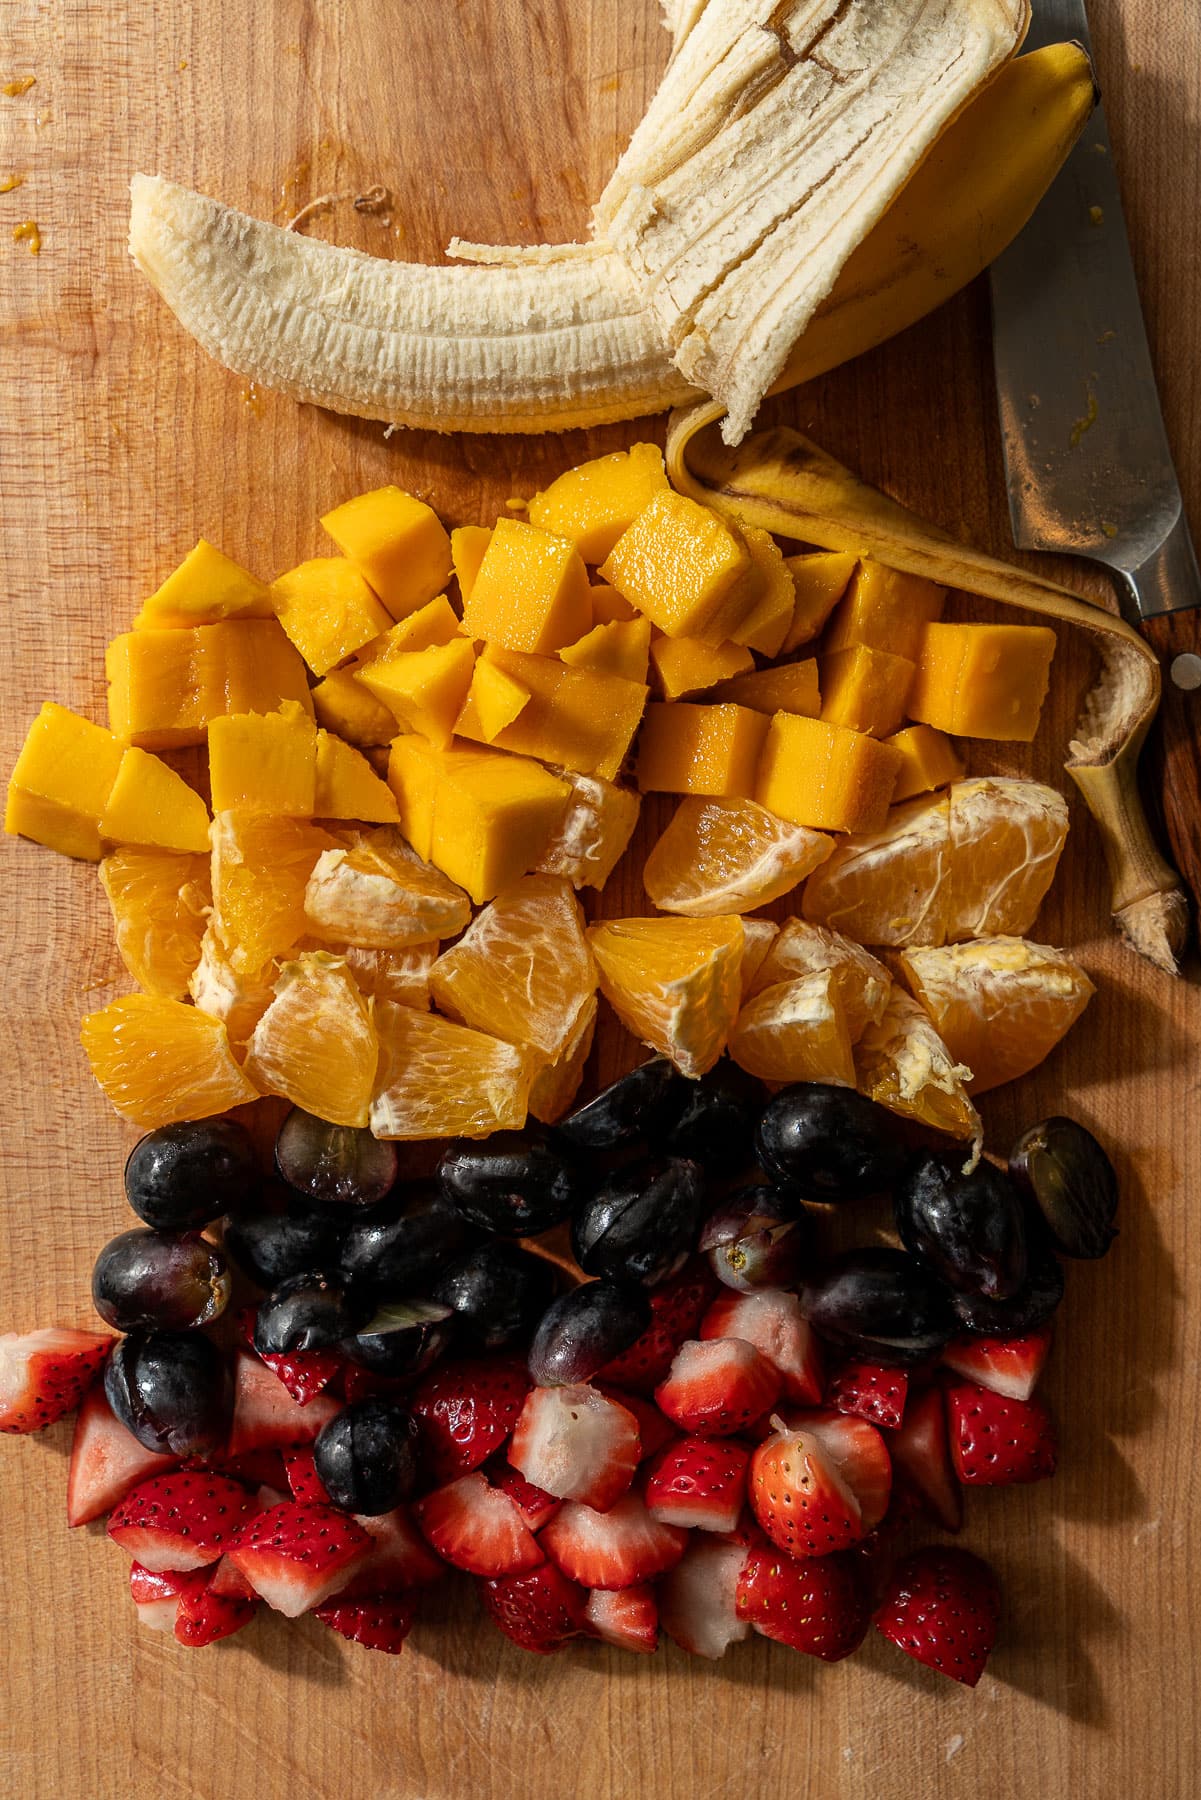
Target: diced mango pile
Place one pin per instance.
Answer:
(420, 742)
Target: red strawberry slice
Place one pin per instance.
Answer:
(697, 1599)
(817, 1604)
(996, 1442)
(1009, 1366)
(378, 1621)
(772, 1320)
(296, 1555)
(576, 1444)
(107, 1461)
(715, 1389)
(156, 1593)
(858, 1452)
(539, 1611)
(467, 1410)
(654, 1431)
(536, 1507)
(942, 1607)
(747, 1532)
(399, 1557)
(614, 1549)
(676, 1309)
(228, 1579)
(181, 1521)
(305, 1373)
(870, 1391)
(699, 1483)
(625, 1617)
(258, 1468)
(300, 1471)
(205, 1615)
(265, 1414)
(46, 1373)
(811, 1481)
(364, 1384)
(922, 1458)
(477, 1528)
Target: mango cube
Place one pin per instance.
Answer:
(593, 504)
(621, 647)
(495, 697)
(581, 718)
(435, 623)
(327, 610)
(344, 706)
(608, 606)
(165, 686)
(790, 687)
(761, 607)
(347, 787)
(531, 592)
(884, 609)
(928, 761)
(677, 563)
(686, 749)
(985, 681)
(467, 546)
(61, 784)
(865, 689)
(207, 586)
(399, 544)
(153, 806)
(426, 689)
(824, 776)
(264, 762)
(819, 581)
(682, 666)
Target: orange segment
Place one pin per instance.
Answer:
(861, 983)
(442, 1080)
(239, 1000)
(261, 866)
(596, 828)
(888, 886)
(378, 893)
(727, 856)
(675, 983)
(556, 1084)
(1006, 840)
(796, 1031)
(904, 1064)
(400, 975)
(160, 1061)
(316, 1044)
(758, 936)
(158, 900)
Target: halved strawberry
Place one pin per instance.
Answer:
(206, 1614)
(1009, 1366)
(699, 1483)
(477, 1528)
(820, 1482)
(614, 1549)
(747, 1532)
(107, 1461)
(996, 1442)
(466, 1411)
(625, 1617)
(942, 1607)
(399, 1557)
(181, 1521)
(539, 1610)
(305, 1373)
(860, 1454)
(46, 1373)
(772, 1320)
(576, 1444)
(921, 1456)
(536, 1507)
(258, 1468)
(229, 1580)
(717, 1388)
(296, 1555)
(300, 1470)
(817, 1604)
(155, 1593)
(676, 1309)
(870, 1391)
(265, 1414)
(697, 1599)
(653, 1429)
(378, 1622)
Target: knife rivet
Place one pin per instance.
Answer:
(1186, 671)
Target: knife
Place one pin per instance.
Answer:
(1087, 460)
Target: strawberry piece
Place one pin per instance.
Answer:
(676, 1309)
(576, 1444)
(942, 1607)
(628, 1618)
(364, 1384)
(204, 1615)
(467, 1410)
(996, 1442)
(697, 1599)
(296, 1555)
(181, 1521)
(817, 1604)
(871, 1391)
(45, 1374)
(820, 1483)
(772, 1320)
(747, 1532)
(477, 1528)
(717, 1388)
(1009, 1366)
(860, 1455)
(654, 1431)
(699, 1483)
(537, 1508)
(305, 1373)
(156, 1594)
(378, 1621)
(539, 1611)
(615, 1549)
(258, 1468)
(107, 1461)
(229, 1580)
(300, 1471)
(922, 1456)
(399, 1557)
(265, 1414)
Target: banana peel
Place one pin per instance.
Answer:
(783, 483)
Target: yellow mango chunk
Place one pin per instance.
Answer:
(791, 687)
(151, 805)
(207, 586)
(618, 648)
(608, 606)
(825, 776)
(327, 610)
(865, 689)
(885, 610)
(347, 787)
(61, 785)
(819, 581)
(530, 593)
(344, 706)
(436, 1079)
(593, 504)
(929, 760)
(467, 546)
(682, 666)
(686, 749)
(677, 563)
(264, 762)
(985, 681)
(761, 607)
(594, 831)
(165, 686)
(435, 623)
(675, 983)
(496, 698)
(581, 718)
(426, 689)
(399, 544)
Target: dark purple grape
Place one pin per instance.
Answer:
(969, 1229)
(1071, 1183)
(1033, 1304)
(829, 1143)
(335, 1164)
(366, 1456)
(402, 1245)
(759, 1237)
(716, 1126)
(586, 1328)
(643, 1224)
(635, 1109)
(498, 1292)
(307, 1312)
(172, 1390)
(513, 1184)
(402, 1337)
(164, 1280)
(183, 1176)
(881, 1303)
(271, 1247)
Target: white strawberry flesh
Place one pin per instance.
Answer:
(857, 1454)
(576, 1444)
(297, 1555)
(45, 1374)
(265, 1414)
(107, 1461)
(614, 1549)
(696, 1599)
(772, 1320)
(627, 1618)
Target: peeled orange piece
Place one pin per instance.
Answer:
(729, 856)
(522, 970)
(400, 975)
(442, 1080)
(904, 1065)
(597, 826)
(861, 983)
(159, 900)
(758, 936)
(315, 1044)
(1006, 840)
(556, 1084)
(675, 983)
(261, 866)
(1000, 1004)
(159, 1061)
(240, 1000)
(888, 886)
(796, 1031)
(380, 895)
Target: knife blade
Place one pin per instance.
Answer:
(1088, 465)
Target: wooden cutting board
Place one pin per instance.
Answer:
(121, 443)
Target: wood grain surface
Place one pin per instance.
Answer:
(121, 443)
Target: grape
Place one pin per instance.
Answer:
(1033, 1304)
(272, 1246)
(829, 1142)
(337, 1164)
(880, 1303)
(758, 1238)
(583, 1330)
(183, 1176)
(307, 1312)
(1072, 1183)
(636, 1108)
(403, 1244)
(515, 1183)
(498, 1293)
(968, 1228)
(643, 1224)
(173, 1280)
(403, 1337)
(366, 1457)
(717, 1123)
(172, 1390)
